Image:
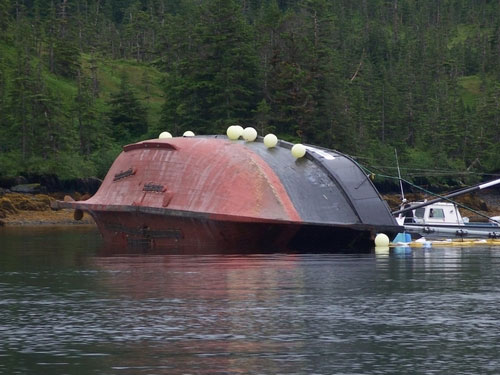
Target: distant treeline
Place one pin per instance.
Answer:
(364, 77)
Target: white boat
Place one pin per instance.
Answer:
(438, 219)
(443, 220)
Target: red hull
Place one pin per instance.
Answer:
(211, 194)
(200, 233)
(190, 233)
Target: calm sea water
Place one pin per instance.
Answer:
(68, 306)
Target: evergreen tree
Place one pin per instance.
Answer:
(91, 134)
(20, 94)
(3, 107)
(486, 127)
(214, 84)
(140, 32)
(66, 58)
(328, 84)
(290, 80)
(66, 53)
(4, 17)
(39, 133)
(363, 77)
(128, 116)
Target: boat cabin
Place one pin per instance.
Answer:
(436, 213)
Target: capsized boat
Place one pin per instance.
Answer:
(442, 219)
(210, 193)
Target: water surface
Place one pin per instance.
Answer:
(68, 305)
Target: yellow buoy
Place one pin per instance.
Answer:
(298, 150)
(249, 134)
(381, 240)
(165, 135)
(270, 140)
(188, 133)
(234, 132)
(239, 129)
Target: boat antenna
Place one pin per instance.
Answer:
(399, 176)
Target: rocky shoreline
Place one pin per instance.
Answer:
(18, 209)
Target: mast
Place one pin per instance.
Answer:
(399, 175)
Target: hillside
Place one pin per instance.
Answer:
(72, 113)
(78, 79)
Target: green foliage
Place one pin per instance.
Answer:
(128, 116)
(103, 158)
(471, 89)
(213, 82)
(52, 125)
(66, 58)
(262, 117)
(79, 79)
(9, 163)
(4, 17)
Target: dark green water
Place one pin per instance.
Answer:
(68, 306)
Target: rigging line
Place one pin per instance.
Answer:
(451, 171)
(436, 174)
(432, 170)
(431, 193)
(426, 170)
(449, 200)
(442, 174)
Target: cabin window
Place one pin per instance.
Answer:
(436, 213)
(419, 212)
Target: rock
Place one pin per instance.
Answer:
(474, 202)
(28, 209)
(27, 189)
(20, 180)
(12, 203)
(28, 203)
(7, 207)
(44, 199)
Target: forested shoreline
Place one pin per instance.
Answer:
(81, 78)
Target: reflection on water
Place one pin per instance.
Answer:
(71, 306)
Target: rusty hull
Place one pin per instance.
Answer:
(213, 194)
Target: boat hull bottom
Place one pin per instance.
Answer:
(206, 235)
(440, 232)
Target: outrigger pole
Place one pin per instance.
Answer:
(447, 197)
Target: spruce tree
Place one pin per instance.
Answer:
(66, 53)
(4, 18)
(92, 133)
(127, 115)
(213, 81)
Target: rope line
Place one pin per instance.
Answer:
(370, 173)
(431, 172)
